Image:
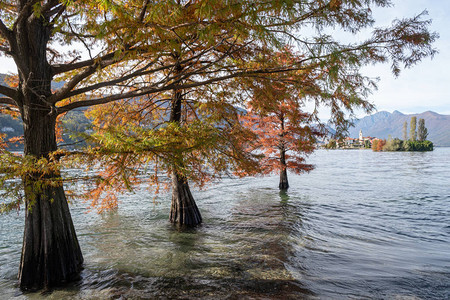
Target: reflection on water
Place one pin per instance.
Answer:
(362, 225)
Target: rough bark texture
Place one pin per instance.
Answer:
(284, 185)
(51, 254)
(183, 210)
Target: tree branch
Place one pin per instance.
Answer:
(5, 32)
(66, 90)
(68, 86)
(51, 7)
(140, 72)
(172, 86)
(7, 91)
(57, 12)
(62, 68)
(24, 12)
(8, 101)
(143, 11)
(4, 49)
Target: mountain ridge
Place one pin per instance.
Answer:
(383, 123)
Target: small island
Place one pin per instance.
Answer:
(417, 140)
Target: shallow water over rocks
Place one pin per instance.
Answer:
(361, 225)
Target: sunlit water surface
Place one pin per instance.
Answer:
(361, 225)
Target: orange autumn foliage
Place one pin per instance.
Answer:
(378, 144)
(285, 133)
(282, 129)
(209, 142)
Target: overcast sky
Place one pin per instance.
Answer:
(424, 87)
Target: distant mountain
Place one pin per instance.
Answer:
(382, 124)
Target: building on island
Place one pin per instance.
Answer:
(360, 142)
(347, 143)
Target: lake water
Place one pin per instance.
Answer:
(361, 225)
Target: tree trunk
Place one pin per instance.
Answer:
(183, 210)
(51, 254)
(284, 185)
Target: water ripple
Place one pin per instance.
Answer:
(363, 225)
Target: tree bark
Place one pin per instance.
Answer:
(51, 254)
(183, 210)
(284, 185)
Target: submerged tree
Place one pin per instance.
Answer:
(200, 52)
(285, 137)
(190, 140)
(285, 134)
(184, 210)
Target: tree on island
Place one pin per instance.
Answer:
(378, 144)
(412, 130)
(331, 144)
(131, 61)
(405, 131)
(394, 144)
(422, 131)
(420, 144)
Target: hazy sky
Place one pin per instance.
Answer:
(424, 87)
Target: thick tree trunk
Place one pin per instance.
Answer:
(51, 254)
(183, 210)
